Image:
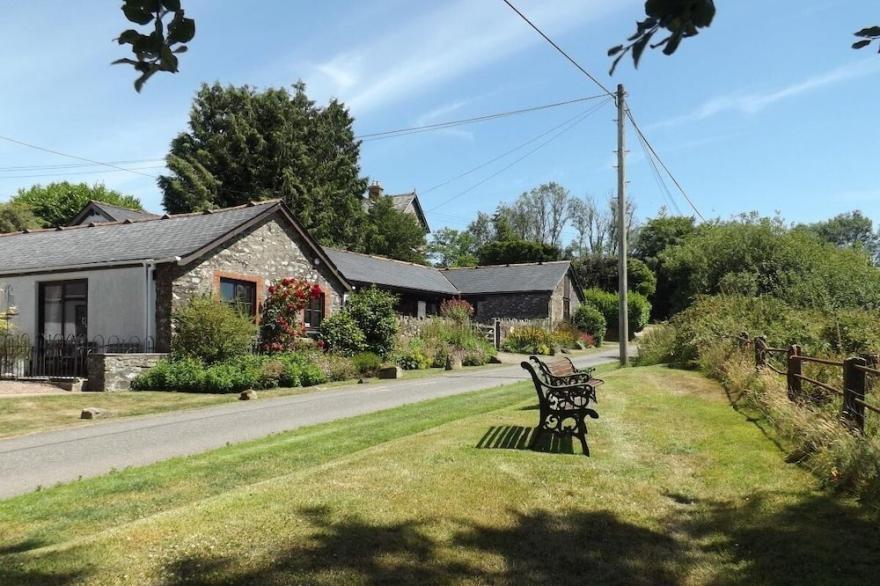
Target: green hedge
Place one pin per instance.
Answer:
(607, 303)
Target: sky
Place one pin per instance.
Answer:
(768, 110)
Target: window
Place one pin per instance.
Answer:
(241, 294)
(314, 313)
(64, 308)
(566, 300)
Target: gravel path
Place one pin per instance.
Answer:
(45, 459)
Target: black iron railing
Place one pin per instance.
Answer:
(60, 357)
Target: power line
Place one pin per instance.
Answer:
(558, 48)
(62, 173)
(47, 167)
(662, 164)
(499, 157)
(69, 156)
(453, 123)
(570, 125)
(658, 177)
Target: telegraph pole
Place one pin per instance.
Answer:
(623, 307)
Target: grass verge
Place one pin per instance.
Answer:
(681, 489)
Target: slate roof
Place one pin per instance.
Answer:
(508, 278)
(111, 212)
(364, 268)
(117, 242)
(403, 201)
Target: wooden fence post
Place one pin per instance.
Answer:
(497, 334)
(854, 388)
(793, 371)
(743, 340)
(760, 344)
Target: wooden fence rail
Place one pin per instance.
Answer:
(855, 376)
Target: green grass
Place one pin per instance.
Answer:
(22, 415)
(680, 489)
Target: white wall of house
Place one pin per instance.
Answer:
(116, 301)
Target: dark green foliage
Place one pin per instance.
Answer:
(300, 369)
(849, 230)
(453, 248)
(244, 144)
(760, 256)
(341, 334)
(15, 217)
(373, 311)
(589, 319)
(601, 272)
(57, 204)
(608, 304)
(394, 234)
(367, 363)
(158, 49)
(866, 36)
(654, 237)
(208, 330)
(517, 251)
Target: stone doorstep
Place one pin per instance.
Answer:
(73, 385)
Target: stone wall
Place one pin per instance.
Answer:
(510, 305)
(114, 372)
(270, 251)
(564, 290)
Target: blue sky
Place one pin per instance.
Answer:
(770, 112)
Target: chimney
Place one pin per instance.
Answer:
(374, 191)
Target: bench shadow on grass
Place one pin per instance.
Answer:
(518, 437)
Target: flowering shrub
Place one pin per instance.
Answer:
(457, 309)
(281, 327)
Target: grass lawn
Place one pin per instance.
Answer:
(681, 488)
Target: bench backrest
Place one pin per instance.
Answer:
(557, 368)
(540, 385)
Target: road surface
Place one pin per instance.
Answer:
(44, 459)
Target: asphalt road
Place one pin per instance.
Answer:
(44, 459)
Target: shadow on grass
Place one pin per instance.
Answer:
(537, 547)
(518, 437)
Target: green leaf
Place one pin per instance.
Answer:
(873, 31)
(639, 48)
(615, 50)
(861, 44)
(137, 14)
(181, 31)
(128, 37)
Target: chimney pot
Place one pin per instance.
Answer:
(375, 190)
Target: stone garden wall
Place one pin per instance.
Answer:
(114, 372)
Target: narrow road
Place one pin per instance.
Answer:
(45, 459)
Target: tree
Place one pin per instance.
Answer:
(539, 215)
(517, 251)
(601, 272)
(597, 228)
(481, 229)
(393, 233)
(15, 217)
(243, 144)
(57, 204)
(851, 229)
(453, 248)
(682, 19)
(656, 236)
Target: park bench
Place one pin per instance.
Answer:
(564, 372)
(563, 407)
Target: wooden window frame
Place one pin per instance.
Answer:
(259, 284)
(325, 309)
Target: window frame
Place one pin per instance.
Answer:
(253, 284)
(321, 302)
(41, 306)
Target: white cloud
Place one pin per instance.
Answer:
(443, 44)
(753, 103)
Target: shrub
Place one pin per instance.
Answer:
(565, 335)
(367, 363)
(373, 311)
(589, 319)
(341, 334)
(529, 340)
(457, 309)
(280, 327)
(211, 331)
(588, 341)
(639, 309)
(413, 356)
(334, 367)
